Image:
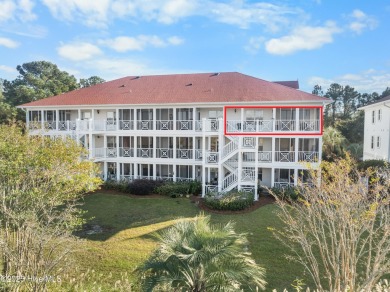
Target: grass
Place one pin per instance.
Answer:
(130, 223)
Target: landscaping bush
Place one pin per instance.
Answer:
(120, 186)
(143, 187)
(174, 189)
(195, 188)
(374, 163)
(288, 194)
(232, 201)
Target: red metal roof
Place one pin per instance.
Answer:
(292, 84)
(181, 88)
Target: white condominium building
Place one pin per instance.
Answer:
(227, 130)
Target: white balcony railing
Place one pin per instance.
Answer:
(164, 153)
(126, 125)
(308, 156)
(249, 126)
(198, 154)
(66, 125)
(184, 154)
(211, 157)
(164, 125)
(309, 125)
(248, 175)
(285, 125)
(265, 156)
(284, 156)
(145, 125)
(184, 125)
(145, 152)
(126, 152)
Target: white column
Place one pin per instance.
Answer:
(221, 144)
(105, 145)
(239, 164)
(273, 150)
(57, 118)
(90, 144)
(118, 171)
(135, 146)
(273, 119)
(296, 146)
(320, 149)
(256, 167)
(135, 119)
(154, 119)
(297, 120)
(154, 151)
(154, 171)
(117, 119)
(203, 158)
(135, 170)
(42, 119)
(193, 118)
(174, 119)
(295, 176)
(105, 170)
(272, 177)
(117, 145)
(28, 119)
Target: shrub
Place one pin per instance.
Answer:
(121, 186)
(174, 189)
(143, 187)
(373, 163)
(195, 187)
(287, 194)
(232, 201)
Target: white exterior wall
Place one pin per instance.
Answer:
(377, 129)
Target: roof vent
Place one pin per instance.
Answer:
(136, 77)
(122, 85)
(215, 74)
(189, 84)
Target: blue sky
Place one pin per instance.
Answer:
(314, 41)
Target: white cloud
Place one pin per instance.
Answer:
(8, 43)
(139, 43)
(254, 44)
(361, 21)
(78, 51)
(244, 14)
(175, 40)
(21, 10)
(367, 81)
(241, 13)
(303, 38)
(7, 69)
(90, 12)
(7, 10)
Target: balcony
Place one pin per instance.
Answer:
(284, 156)
(164, 125)
(145, 152)
(184, 125)
(164, 153)
(184, 153)
(126, 125)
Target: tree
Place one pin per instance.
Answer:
(317, 90)
(7, 112)
(41, 180)
(333, 144)
(93, 80)
(37, 80)
(348, 101)
(339, 230)
(334, 92)
(195, 256)
(385, 93)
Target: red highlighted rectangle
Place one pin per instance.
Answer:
(273, 132)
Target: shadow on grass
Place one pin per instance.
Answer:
(108, 215)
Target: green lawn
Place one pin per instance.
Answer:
(129, 224)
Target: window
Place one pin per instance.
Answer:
(372, 142)
(379, 114)
(373, 117)
(378, 142)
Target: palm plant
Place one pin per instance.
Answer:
(195, 256)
